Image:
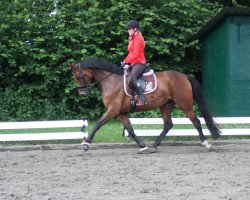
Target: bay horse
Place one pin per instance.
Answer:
(174, 88)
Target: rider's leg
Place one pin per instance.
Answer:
(136, 71)
(139, 91)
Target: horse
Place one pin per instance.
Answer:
(173, 89)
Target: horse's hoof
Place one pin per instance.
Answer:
(153, 149)
(144, 151)
(85, 146)
(206, 144)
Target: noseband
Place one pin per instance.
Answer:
(86, 86)
(84, 77)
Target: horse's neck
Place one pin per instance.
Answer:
(106, 80)
(100, 75)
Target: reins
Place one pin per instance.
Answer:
(97, 82)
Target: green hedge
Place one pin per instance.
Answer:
(39, 39)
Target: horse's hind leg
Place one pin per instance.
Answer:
(165, 110)
(125, 120)
(197, 124)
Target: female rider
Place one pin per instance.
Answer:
(136, 57)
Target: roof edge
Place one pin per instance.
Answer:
(222, 15)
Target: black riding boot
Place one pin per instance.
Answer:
(139, 91)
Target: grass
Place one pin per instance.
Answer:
(112, 132)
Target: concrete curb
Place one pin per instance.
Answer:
(96, 146)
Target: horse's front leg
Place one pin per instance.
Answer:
(109, 114)
(166, 111)
(125, 120)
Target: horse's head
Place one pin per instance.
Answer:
(83, 78)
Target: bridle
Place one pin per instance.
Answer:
(84, 76)
(87, 86)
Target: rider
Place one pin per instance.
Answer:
(136, 57)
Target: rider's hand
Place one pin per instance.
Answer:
(126, 66)
(123, 64)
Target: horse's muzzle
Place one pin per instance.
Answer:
(83, 91)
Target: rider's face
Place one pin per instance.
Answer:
(131, 31)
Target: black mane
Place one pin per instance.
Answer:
(101, 64)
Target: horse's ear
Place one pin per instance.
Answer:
(72, 66)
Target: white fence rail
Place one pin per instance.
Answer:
(42, 135)
(82, 124)
(234, 121)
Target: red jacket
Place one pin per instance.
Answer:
(136, 47)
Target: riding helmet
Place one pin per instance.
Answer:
(133, 24)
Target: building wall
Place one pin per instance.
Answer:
(226, 67)
(215, 70)
(239, 62)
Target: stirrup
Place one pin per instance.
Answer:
(141, 102)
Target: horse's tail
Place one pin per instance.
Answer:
(198, 97)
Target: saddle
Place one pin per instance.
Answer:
(147, 81)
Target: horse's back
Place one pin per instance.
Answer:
(171, 73)
(176, 84)
(173, 77)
